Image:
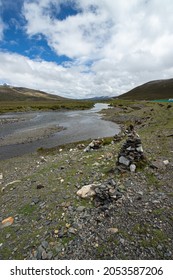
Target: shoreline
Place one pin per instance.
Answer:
(30, 136)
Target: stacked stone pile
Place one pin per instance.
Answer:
(107, 193)
(131, 152)
(104, 193)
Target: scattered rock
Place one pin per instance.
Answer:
(125, 161)
(132, 167)
(72, 230)
(166, 162)
(112, 230)
(87, 191)
(40, 187)
(80, 208)
(7, 222)
(158, 164)
(95, 144)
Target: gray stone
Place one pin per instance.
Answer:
(124, 160)
(80, 208)
(45, 244)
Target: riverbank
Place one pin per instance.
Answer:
(51, 222)
(23, 133)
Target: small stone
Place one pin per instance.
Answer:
(1, 176)
(166, 162)
(87, 191)
(112, 230)
(122, 240)
(132, 167)
(80, 208)
(67, 225)
(124, 160)
(40, 187)
(139, 149)
(44, 255)
(45, 244)
(42, 159)
(7, 222)
(35, 200)
(72, 230)
(49, 255)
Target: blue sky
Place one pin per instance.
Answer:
(85, 48)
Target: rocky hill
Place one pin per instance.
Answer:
(159, 89)
(10, 93)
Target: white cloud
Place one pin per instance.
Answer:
(114, 46)
(47, 76)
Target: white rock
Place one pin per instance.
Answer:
(1, 176)
(166, 162)
(87, 191)
(87, 149)
(139, 149)
(132, 167)
(124, 160)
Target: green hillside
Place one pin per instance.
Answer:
(160, 89)
(8, 93)
(17, 99)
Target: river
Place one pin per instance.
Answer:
(79, 125)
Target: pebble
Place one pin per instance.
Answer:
(112, 230)
(80, 208)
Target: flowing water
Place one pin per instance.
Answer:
(79, 125)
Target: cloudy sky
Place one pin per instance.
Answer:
(85, 48)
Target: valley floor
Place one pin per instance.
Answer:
(52, 222)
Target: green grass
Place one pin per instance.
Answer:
(23, 106)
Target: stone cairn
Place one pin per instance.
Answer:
(103, 193)
(131, 152)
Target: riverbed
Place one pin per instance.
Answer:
(23, 133)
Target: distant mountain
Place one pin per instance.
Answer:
(9, 93)
(159, 89)
(98, 98)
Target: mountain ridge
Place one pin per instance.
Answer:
(152, 90)
(10, 93)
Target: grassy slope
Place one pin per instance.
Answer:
(23, 99)
(25, 94)
(162, 89)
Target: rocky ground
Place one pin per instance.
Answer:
(39, 191)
